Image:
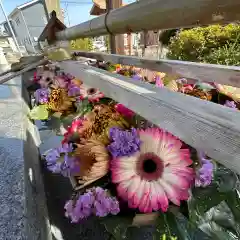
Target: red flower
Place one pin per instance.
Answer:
(76, 124)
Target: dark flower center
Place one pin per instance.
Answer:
(149, 166)
(91, 91)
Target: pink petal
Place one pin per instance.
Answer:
(138, 195)
(162, 198)
(144, 202)
(119, 176)
(176, 180)
(148, 208)
(123, 163)
(154, 195)
(145, 197)
(186, 172)
(135, 181)
(122, 189)
(171, 192)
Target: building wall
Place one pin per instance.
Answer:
(36, 20)
(28, 24)
(21, 31)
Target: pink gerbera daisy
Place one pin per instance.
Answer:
(159, 172)
(92, 94)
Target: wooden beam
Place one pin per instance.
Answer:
(228, 75)
(204, 125)
(26, 68)
(157, 14)
(116, 42)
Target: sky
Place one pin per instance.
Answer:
(77, 12)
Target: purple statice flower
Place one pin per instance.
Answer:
(230, 104)
(124, 143)
(205, 173)
(73, 90)
(136, 77)
(159, 82)
(59, 161)
(95, 201)
(41, 95)
(65, 148)
(69, 166)
(69, 206)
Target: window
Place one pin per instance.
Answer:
(17, 21)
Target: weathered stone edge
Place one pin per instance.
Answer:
(37, 224)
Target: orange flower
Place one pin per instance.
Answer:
(98, 123)
(93, 158)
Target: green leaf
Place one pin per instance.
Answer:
(219, 223)
(176, 226)
(54, 124)
(66, 121)
(117, 225)
(225, 179)
(83, 107)
(233, 201)
(204, 86)
(39, 112)
(203, 199)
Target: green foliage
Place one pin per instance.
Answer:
(82, 44)
(117, 226)
(166, 35)
(107, 43)
(212, 213)
(39, 112)
(226, 55)
(207, 44)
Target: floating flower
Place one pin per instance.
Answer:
(59, 101)
(76, 82)
(73, 90)
(199, 94)
(59, 161)
(59, 82)
(98, 123)
(41, 95)
(93, 159)
(126, 112)
(186, 88)
(230, 104)
(137, 77)
(96, 201)
(124, 143)
(46, 79)
(73, 129)
(204, 174)
(92, 94)
(159, 172)
(159, 82)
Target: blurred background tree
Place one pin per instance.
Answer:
(85, 44)
(213, 44)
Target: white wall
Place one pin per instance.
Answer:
(21, 31)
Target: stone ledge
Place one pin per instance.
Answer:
(37, 225)
(23, 212)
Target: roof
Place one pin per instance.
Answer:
(98, 8)
(23, 6)
(53, 25)
(27, 4)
